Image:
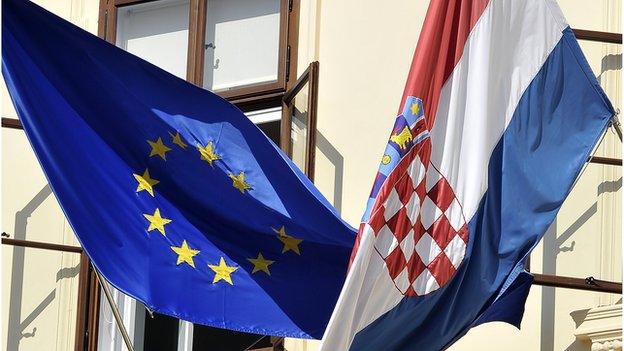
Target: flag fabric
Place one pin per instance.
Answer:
(499, 115)
(178, 199)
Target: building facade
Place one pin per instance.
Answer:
(324, 80)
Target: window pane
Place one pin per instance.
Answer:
(269, 121)
(157, 32)
(299, 128)
(161, 333)
(242, 43)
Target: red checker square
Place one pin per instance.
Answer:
(377, 220)
(442, 269)
(419, 230)
(421, 191)
(395, 262)
(425, 151)
(400, 224)
(404, 188)
(415, 266)
(442, 232)
(463, 233)
(410, 292)
(442, 194)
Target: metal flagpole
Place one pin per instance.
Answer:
(114, 308)
(615, 122)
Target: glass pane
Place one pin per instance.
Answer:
(157, 32)
(161, 333)
(133, 315)
(39, 299)
(299, 128)
(269, 121)
(242, 43)
(213, 339)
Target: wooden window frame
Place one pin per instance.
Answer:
(287, 57)
(309, 76)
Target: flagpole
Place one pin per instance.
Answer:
(615, 122)
(113, 306)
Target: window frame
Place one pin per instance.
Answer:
(287, 58)
(310, 77)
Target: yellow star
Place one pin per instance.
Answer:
(185, 253)
(239, 182)
(207, 153)
(177, 139)
(415, 108)
(157, 222)
(158, 148)
(222, 272)
(260, 264)
(289, 242)
(145, 182)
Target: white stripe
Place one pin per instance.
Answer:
(368, 293)
(505, 50)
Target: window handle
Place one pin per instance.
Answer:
(210, 45)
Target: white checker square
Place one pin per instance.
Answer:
(429, 212)
(455, 251)
(454, 215)
(392, 205)
(402, 281)
(413, 207)
(427, 249)
(385, 242)
(425, 283)
(407, 245)
(433, 176)
(416, 171)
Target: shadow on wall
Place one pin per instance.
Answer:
(553, 245)
(336, 159)
(610, 62)
(578, 317)
(16, 326)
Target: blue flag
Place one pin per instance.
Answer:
(178, 199)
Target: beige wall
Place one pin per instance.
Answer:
(365, 49)
(39, 288)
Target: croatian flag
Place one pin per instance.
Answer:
(499, 115)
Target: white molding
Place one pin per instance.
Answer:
(602, 327)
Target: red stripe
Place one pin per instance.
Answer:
(440, 46)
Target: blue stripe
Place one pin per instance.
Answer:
(554, 128)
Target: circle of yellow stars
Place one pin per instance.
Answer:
(185, 254)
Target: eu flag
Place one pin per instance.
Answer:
(179, 200)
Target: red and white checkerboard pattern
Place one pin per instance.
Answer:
(420, 228)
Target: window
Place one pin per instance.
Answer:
(232, 57)
(207, 42)
(157, 32)
(299, 120)
(154, 331)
